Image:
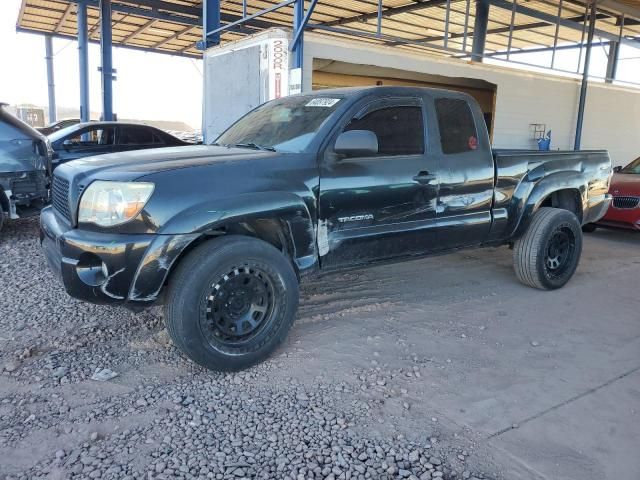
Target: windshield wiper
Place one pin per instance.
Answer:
(254, 146)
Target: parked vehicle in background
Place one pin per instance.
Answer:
(98, 138)
(624, 211)
(25, 168)
(59, 125)
(304, 184)
(193, 138)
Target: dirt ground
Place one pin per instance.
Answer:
(441, 367)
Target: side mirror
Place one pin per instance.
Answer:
(357, 143)
(617, 169)
(67, 144)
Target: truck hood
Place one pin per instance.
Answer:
(625, 184)
(139, 163)
(25, 149)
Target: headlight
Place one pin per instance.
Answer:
(111, 203)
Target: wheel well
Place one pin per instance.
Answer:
(271, 231)
(568, 199)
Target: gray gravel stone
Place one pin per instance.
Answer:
(166, 418)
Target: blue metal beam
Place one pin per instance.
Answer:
(614, 54)
(251, 18)
(107, 60)
(387, 12)
(585, 77)
(48, 46)
(552, 20)
(175, 13)
(129, 47)
(83, 62)
(612, 61)
(210, 23)
(298, 27)
(480, 30)
(542, 49)
(298, 32)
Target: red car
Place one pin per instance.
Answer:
(624, 211)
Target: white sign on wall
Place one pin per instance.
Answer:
(295, 81)
(278, 67)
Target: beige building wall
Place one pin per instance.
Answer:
(612, 116)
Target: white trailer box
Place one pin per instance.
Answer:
(241, 75)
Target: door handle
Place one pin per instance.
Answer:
(424, 177)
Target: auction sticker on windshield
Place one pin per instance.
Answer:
(322, 102)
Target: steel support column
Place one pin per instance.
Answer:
(585, 76)
(612, 61)
(210, 23)
(480, 30)
(107, 59)
(298, 25)
(51, 87)
(83, 62)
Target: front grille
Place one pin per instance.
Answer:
(626, 202)
(60, 197)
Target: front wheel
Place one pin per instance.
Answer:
(547, 255)
(231, 302)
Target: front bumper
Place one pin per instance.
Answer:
(628, 218)
(109, 268)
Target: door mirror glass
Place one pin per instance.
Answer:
(617, 169)
(357, 143)
(68, 143)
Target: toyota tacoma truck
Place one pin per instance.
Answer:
(223, 234)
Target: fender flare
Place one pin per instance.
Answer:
(201, 220)
(530, 195)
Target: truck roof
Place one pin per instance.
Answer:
(384, 90)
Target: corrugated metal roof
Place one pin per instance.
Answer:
(173, 26)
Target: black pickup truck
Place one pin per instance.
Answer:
(222, 234)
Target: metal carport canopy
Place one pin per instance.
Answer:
(174, 26)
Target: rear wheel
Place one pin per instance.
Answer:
(547, 255)
(231, 302)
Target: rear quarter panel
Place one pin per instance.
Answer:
(524, 179)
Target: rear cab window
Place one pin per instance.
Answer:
(456, 124)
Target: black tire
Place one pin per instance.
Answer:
(219, 291)
(589, 228)
(1, 219)
(547, 255)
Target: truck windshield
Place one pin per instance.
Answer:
(633, 167)
(285, 125)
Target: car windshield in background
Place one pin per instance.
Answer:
(286, 125)
(633, 167)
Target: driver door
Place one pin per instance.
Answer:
(379, 206)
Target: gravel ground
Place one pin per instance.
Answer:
(292, 417)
